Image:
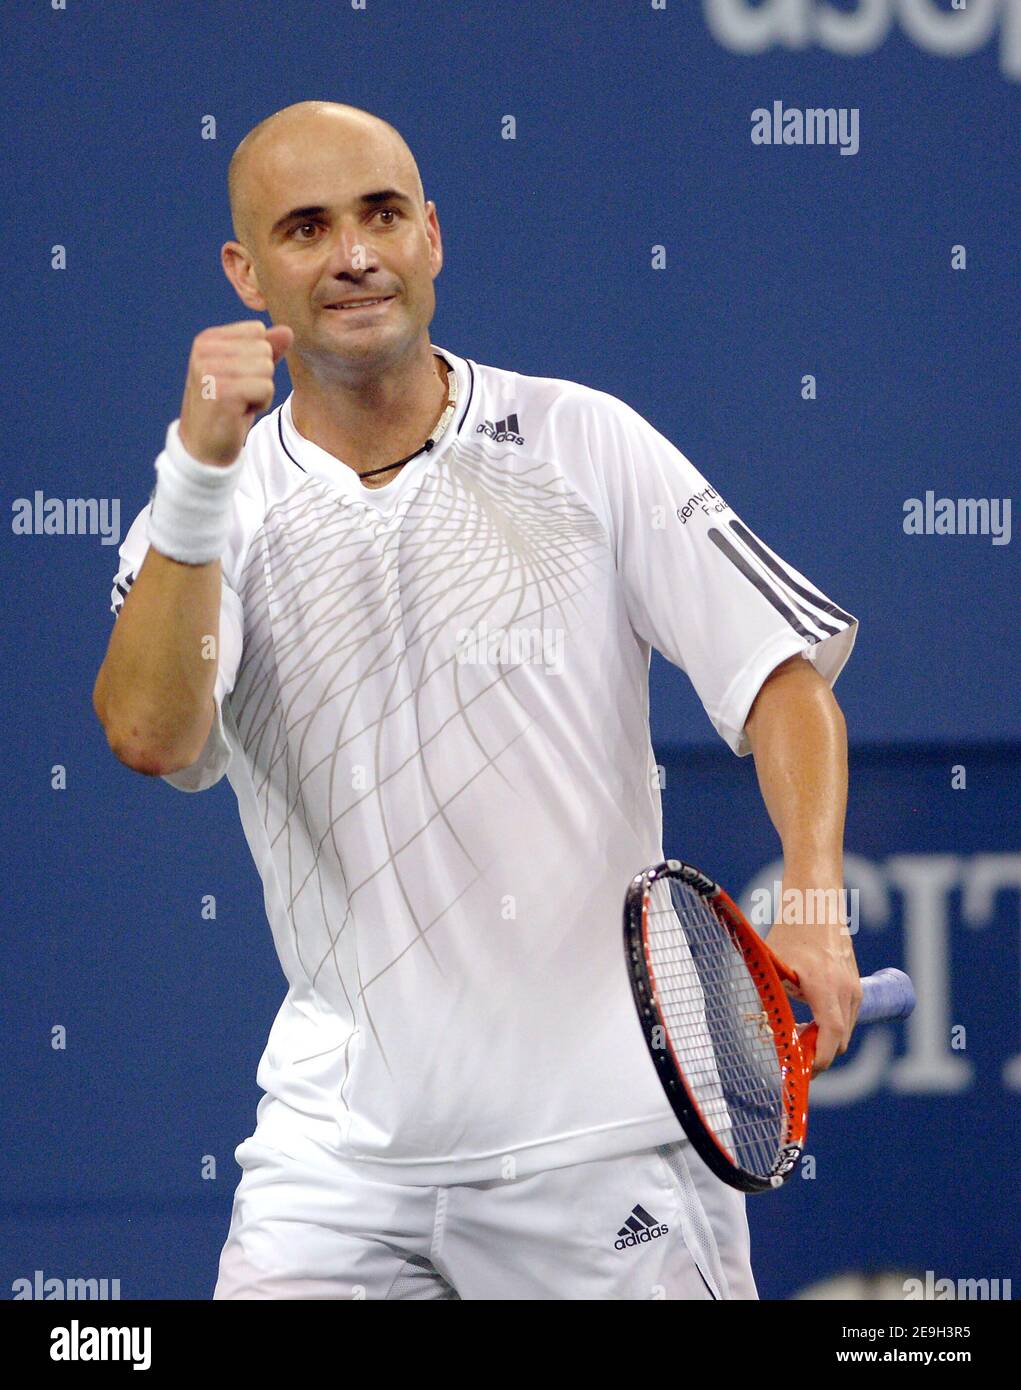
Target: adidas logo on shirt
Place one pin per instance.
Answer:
(501, 431)
(639, 1229)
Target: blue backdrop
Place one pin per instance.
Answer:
(634, 237)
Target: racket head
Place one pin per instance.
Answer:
(718, 1025)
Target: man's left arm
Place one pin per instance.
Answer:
(716, 600)
(798, 739)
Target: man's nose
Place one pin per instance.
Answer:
(352, 253)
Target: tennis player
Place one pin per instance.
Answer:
(409, 613)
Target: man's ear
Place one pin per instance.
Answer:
(239, 269)
(436, 239)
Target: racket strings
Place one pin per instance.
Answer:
(718, 1025)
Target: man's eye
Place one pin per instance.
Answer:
(298, 227)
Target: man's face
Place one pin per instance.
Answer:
(317, 241)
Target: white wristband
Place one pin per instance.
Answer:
(192, 503)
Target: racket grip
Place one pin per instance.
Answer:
(887, 994)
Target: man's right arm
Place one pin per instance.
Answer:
(154, 692)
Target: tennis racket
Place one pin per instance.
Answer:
(719, 1026)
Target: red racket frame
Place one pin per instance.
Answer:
(795, 1052)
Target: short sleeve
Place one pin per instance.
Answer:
(699, 585)
(213, 761)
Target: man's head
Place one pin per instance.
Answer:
(307, 238)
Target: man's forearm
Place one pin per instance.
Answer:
(798, 737)
(799, 740)
(154, 691)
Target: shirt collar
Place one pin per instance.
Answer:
(312, 459)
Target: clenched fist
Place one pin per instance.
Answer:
(230, 381)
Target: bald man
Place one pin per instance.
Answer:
(409, 613)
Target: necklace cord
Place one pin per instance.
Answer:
(438, 429)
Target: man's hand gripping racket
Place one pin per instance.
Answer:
(719, 1026)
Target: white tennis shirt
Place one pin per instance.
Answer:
(433, 710)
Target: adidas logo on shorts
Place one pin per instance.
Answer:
(639, 1229)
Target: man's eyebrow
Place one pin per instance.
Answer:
(383, 195)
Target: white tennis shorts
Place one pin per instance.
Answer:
(656, 1224)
